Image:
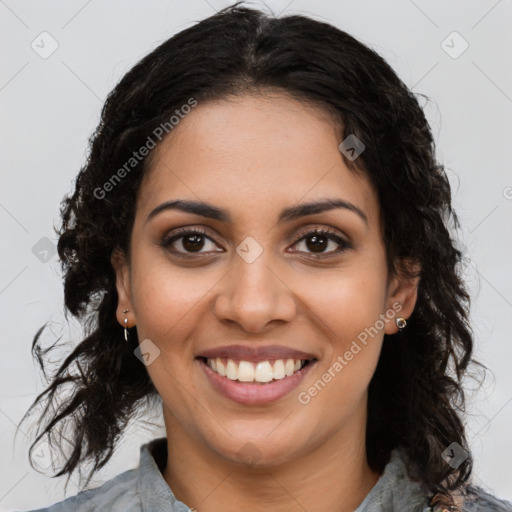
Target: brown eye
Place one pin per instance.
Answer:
(189, 241)
(193, 242)
(318, 240)
(317, 243)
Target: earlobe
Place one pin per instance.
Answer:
(124, 312)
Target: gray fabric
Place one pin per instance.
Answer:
(143, 489)
(394, 491)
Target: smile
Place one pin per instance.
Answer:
(255, 383)
(260, 371)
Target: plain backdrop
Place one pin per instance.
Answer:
(61, 58)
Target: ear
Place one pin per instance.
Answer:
(402, 294)
(124, 306)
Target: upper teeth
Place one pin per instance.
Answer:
(263, 371)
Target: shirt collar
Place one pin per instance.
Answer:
(393, 491)
(154, 492)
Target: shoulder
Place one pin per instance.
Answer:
(477, 499)
(117, 494)
(471, 498)
(135, 490)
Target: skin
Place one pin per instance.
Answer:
(255, 155)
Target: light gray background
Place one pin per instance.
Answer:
(50, 106)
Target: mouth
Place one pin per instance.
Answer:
(256, 372)
(253, 383)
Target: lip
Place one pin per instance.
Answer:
(254, 393)
(255, 353)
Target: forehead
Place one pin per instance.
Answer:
(251, 151)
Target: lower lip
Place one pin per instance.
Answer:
(254, 393)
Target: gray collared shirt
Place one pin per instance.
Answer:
(144, 489)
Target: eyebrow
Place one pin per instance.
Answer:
(294, 212)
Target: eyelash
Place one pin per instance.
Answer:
(331, 235)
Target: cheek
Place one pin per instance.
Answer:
(166, 299)
(169, 303)
(347, 301)
(348, 309)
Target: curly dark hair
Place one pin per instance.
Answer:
(416, 399)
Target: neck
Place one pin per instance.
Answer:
(334, 476)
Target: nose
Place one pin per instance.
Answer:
(254, 295)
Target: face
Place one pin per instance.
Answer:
(259, 276)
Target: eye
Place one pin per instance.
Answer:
(317, 240)
(187, 240)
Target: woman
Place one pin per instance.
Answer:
(260, 242)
